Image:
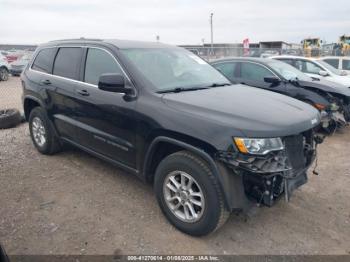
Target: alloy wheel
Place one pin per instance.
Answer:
(39, 132)
(183, 196)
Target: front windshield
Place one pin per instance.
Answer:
(330, 68)
(287, 71)
(174, 68)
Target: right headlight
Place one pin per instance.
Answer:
(258, 146)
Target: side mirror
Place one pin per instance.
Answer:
(323, 73)
(272, 79)
(113, 83)
(343, 73)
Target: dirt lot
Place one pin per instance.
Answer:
(72, 203)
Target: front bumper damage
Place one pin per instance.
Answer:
(266, 178)
(338, 114)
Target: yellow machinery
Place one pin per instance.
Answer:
(312, 47)
(344, 44)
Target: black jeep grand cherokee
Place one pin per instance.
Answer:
(167, 116)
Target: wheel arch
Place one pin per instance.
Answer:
(4, 66)
(152, 160)
(30, 102)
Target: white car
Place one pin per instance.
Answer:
(317, 69)
(338, 62)
(4, 68)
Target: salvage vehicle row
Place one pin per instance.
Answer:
(331, 99)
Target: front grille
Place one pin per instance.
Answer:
(294, 146)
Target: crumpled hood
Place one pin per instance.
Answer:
(327, 86)
(253, 111)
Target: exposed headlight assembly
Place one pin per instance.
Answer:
(258, 146)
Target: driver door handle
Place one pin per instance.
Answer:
(46, 82)
(83, 92)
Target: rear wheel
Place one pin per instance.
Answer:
(42, 132)
(4, 74)
(189, 195)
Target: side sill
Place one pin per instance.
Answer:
(103, 157)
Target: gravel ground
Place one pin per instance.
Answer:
(10, 93)
(72, 203)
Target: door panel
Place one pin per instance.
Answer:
(106, 124)
(65, 73)
(105, 120)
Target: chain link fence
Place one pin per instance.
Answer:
(209, 54)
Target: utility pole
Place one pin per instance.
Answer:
(211, 32)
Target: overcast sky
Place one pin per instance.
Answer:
(175, 21)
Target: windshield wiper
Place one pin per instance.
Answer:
(180, 89)
(219, 84)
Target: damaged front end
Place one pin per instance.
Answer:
(336, 115)
(266, 177)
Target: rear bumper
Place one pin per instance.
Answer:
(15, 71)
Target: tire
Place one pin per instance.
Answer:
(4, 74)
(211, 215)
(9, 118)
(3, 255)
(42, 132)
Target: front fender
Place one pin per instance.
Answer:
(223, 177)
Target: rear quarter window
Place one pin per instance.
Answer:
(44, 60)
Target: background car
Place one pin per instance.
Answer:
(4, 68)
(317, 69)
(282, 78)
(338, 62)
(17, 66)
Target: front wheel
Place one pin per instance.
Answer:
(189, 195)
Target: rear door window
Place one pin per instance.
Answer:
(99, 62)
(227, 69)
(44, 60)
(254, 72)
(307, 67)
(333, 62)
(67, 62)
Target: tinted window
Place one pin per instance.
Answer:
(346, 64)
(254, 72)
(332, 62)
(307, 67)
(44, 60)
(67, 62)
(228, 69)
(288, 61)
(99, 62)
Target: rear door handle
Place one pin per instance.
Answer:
(83, 92)
(46, 82)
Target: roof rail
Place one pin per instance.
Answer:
(77, 39)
